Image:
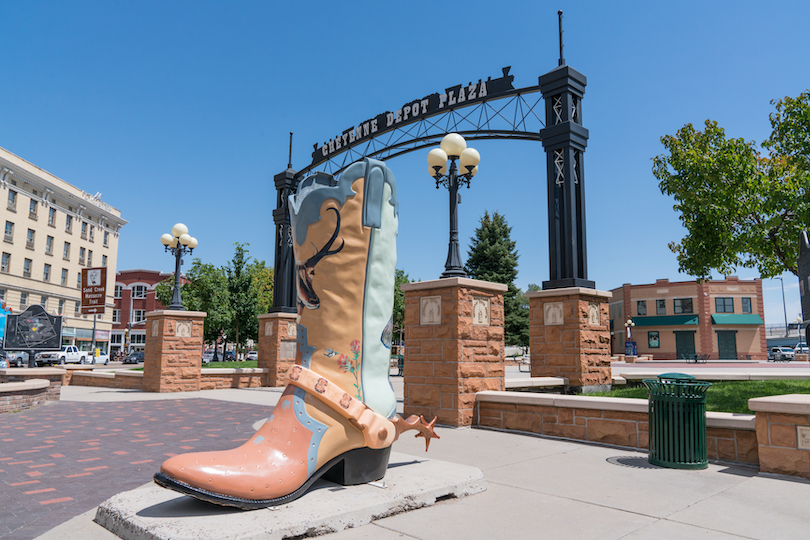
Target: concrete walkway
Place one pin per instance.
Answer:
(547, 488)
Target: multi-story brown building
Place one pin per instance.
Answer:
(134, 297)
(717, 319)
(53, 230)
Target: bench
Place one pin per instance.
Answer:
(524, 361)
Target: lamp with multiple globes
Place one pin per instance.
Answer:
(179, 242)
(454, 148)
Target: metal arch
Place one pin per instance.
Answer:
(517, 114)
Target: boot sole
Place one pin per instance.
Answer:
(354, 467)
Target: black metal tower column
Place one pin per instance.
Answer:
(284, 296)
(564, 140)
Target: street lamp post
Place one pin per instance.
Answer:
(784, 308)
(453, 147)
(629, 325)
(179, 242)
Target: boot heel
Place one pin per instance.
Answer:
(359, 466)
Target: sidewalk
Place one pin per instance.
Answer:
(537, 487)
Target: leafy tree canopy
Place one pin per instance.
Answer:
(740, 208)
(399, 299)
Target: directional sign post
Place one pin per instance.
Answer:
(94, 290)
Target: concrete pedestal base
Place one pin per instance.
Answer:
(410, 483)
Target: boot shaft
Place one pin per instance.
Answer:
(345, 249)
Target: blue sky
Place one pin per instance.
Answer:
(181, 111)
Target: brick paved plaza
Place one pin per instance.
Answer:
(65, 458)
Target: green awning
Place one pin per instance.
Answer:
(731, 318)
(666, 320)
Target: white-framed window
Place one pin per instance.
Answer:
(106, 238)
(64, 276)
(61, 309)
(49, 245)
(2, 294)
(43, 301)
(8, 235)
(69, 224)
(27, 268)
(118, 289)
(84, 230)
(66, 251)
(29, 239)
(103, 260)
(138, 315)
(6, 263)
(92, 233)
(23, 300)
(52, 217)
(77, 309)
(139, 291)
(116, 316)
(89, 257)
(32, 209)
(81, 255)
(12, 200)
(79, 279)
(46, 272)
(137, 339)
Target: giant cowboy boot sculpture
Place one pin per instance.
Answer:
(337, 417)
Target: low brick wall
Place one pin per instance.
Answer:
(17, 396)
(71, 369)
(131, 380)
(217, 378)
(54, 375)
(616, 421)
(783, 432)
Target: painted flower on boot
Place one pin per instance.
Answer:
(352, 365)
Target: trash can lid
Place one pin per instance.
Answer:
(676, 376)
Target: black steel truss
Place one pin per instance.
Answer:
(518, 115)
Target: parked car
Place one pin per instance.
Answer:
(801, 348)
(208, 356)
(17, 358)
(229, 356)
(102, 358)
(781, 354)
(252, 355)
(70, 354)
(134, 357)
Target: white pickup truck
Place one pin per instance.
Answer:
(68, 355)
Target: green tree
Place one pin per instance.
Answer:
(244, 298)
(400, 277)
(740, 209)
(492, 256)
(263, 282)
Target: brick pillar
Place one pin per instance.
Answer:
(277, 344)
(453, 346)
(569, 335)
(174, 347)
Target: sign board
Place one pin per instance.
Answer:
(34, 328)
(630, 348)
(94, 290)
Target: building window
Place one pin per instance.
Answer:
(68, 224)
(61, 309)
(92, 233)
(116, 316)
(76, 309)
(23, 300)
(660, 307)
(29, 239)
(641, 307)
(9, 233)
(27, 268)
(138, 339)
(66, 251)
(118, 290)
(64, 276)
(79, 279)
(84, 230)
(52, 217)
(89, 257)
(43, 301)
(683, 305)
(49, 245)
(139, 291)
(138, 315)
(32, 209)
(46, 273)
(103, 260)
(12, 200)
(2, 294)
(106, 238)
(81, 255)
(724, 305)
(746, 305)
(653, 340)
(5, 263)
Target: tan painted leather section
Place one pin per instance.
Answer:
(269, 465)
(341, 435)
(339, 282)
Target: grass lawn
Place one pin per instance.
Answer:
(728, 396)
(245, 364)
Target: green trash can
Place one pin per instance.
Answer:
(677, 421)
